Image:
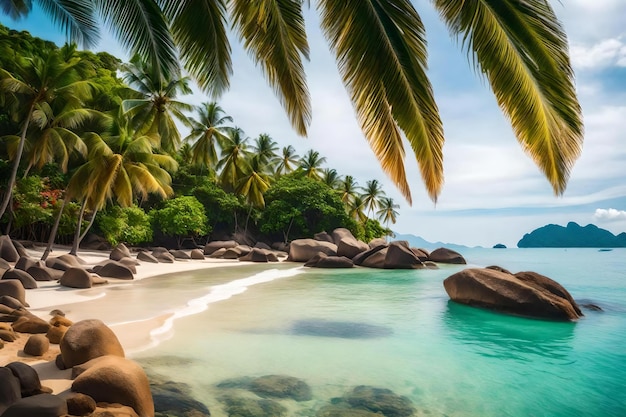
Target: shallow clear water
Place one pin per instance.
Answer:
(336, 329)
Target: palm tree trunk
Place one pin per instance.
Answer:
(93, 217)
(16, 163)
(53, 232)
(74, 250)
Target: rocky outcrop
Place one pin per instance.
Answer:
(400, 256)
(532, 295)
(196, 254)
(376, 259)
(8, 252)
(447, 256)
(29, 323)
(113, 269)
(36, 345)
(325, 261)
(211, 247)
(350, 247)
(119, 252)
(301, 250)
(13, 288)
(147, 257)
(43, 273)
(281, 386)
(27, 281)
(114, 379)
(380, 400)
(26, 262)
(86, 340)
(180, 254)
(259, 255)
(76, 278)
(324, 237)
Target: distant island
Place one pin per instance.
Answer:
(572, 236)
(499, 246)
(419, 242)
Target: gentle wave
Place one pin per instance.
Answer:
(216, 293)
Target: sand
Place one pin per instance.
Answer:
(133, 336)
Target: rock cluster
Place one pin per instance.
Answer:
(340, 249)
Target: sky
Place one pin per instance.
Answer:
(493, 192)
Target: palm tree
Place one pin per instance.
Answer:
(288, 160)
(387, 212)
(207, 133)
(331, 178)
(311, 163)
(380, 46)
(266, 148)
(155, 108)
(372, 193)
(253, 184)
(355, 209)
(233, 164)
(40, 82)
(348, 188)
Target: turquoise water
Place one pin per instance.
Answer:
(336, 329)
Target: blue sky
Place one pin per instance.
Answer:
(493, 192)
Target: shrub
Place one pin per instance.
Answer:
(128, 225)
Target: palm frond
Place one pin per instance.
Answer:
(16, 9)
(522, 50)
(274, 33)
(199, 28)
(75, 17)
(141, 26)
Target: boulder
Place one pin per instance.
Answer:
(376, 259)
(114, 379)
(114, 269)
(27, 281)
(6, 333)
(13, 288)
(26, 262)
(37, 345)
(4, 265)
(400, 256)
(76, 278)
(10, 390)
(380, 400)
(233, 253)
(59, 320)
(323, 237)
(159, 250)
(174, 399)
(211, 247)
(344, 411)
(43, 273)
(19, 247)
(262, 245)
(541, 282)
(56, 333)
(165, 258)
(301, 250)
(28, 378)
(80, 404)
(341, 233)
(72, 260)
(180, 254)
(196, 254)
(95, 242)
(506, 293)
(280, 246)
(430, 265)
(218, 253)
(119, 252)
(255, 255)
(147, 257)
(13, 304)
(281, 386)
(379, 241)
(86, 340)
(252, 407)
(324, 261)
(7, 249)
(132, 263)
(421, 254)
(42, 405)
(65, 262)
(350, 247)
(29, 323)
(446, 256)
(358, 260)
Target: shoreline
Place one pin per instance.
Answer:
(134, 335)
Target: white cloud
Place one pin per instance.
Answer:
(609, 215)
(604, 54)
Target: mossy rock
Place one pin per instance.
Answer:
(281, 386)
(251, 407)
(380, 400)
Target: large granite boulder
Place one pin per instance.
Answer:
(258, 255)
(325, 261)
(211, 247)
(7, 249)
(262, 245)
(376, 259)
(29, 323)
(15, 289)
(119, 252)
(76, 278)
(43, 273)
(361, 257)
(37, 345)
(114, 379)
(4, 265)
(422, 254)
(400, 256)
(26, 262)
(10, 390)
(341, 233)
(324, 237)
(86, 340)
(27, 281)
(180, 254)
(80, 404)
(28, 378)
(147, 257)
(350, 247)
(64, 262)
(114, 269)
(542, 282)
(12, 304)
(379, 241)
(42, 405)
(196, 254)
(507, 293)
(301, 250)
(447, 256)
(165, 258)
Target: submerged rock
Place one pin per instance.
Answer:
(339, 411)
(380, 400)
(340, 329)
(524, 294)
(281, 386)
(172, 399)
(251, 407)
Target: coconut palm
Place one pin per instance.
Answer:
(266, 148)
(288, 160)
(207, 133)
(253, 184)
(349, 190)
(233, 164)
(331, 178)
(155, 108)
(387, 211)
(311, 164)
(380, 46)
(355, 209)
(40, 81)
(372, 193)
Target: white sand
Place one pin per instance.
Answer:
(133, 336)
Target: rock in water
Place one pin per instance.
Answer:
(531, 296)
(380, 400)
(281, 386)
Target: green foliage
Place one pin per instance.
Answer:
(181, 216)
(298, 207)
(370, 229)
(128, 225)
(29, 204)
(220, 206)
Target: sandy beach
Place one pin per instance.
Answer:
(133, 335)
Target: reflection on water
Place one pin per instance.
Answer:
(496, 335)
(340, 329)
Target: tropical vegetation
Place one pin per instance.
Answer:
(106, 156)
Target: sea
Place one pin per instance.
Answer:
(394, 330)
